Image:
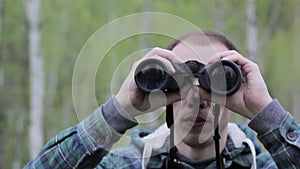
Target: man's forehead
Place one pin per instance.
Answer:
(191, 51)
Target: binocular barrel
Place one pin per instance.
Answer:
(222, 77)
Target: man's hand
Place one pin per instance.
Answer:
(253, 95)
(134, 100)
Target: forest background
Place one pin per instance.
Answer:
(41, 40)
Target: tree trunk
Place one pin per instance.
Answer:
(1, 19)
(36, 74)
(251, 31)
(146, 24)
(219, 16)
(19, 141)
(296, 61)
(272, 22)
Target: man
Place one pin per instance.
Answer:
(86, 145)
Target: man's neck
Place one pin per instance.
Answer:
(201, 152)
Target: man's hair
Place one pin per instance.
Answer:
(203, 35)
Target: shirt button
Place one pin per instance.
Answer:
(100, 140)
(292, 135)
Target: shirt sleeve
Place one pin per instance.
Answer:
(279, 133)
(85, 144)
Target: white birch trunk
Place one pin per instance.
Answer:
(272, 22)
(251, 30)
(1, 18)
(219, 16)
(296, 61)
(1, 26)
(36, 73)
(19, 136)
(1, 77)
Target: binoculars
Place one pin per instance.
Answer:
(222, 77)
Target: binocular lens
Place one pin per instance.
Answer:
(224, 77)
(218, 77)
(151, 76)
(231, 77)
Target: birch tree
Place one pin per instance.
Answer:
(1, 26)
(295, 70)
(36, 73)
(219, 16)
(251, 30)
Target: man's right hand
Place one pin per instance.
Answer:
(137, 102)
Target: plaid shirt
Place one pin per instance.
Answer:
(85, 145)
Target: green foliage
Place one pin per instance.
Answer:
(67, 25)
(14, 88)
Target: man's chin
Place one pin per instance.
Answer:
(195, 135)
(198, 140)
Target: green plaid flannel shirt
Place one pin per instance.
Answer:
(85, 145)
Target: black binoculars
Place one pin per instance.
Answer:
(222, 77)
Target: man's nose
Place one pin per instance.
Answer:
(203, 103)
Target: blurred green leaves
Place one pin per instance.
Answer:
(68, 24)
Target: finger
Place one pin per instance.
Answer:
(166, 56)
(166, 62)
(164, 53)
(230, 55)
(221, 55)
(245, 64)
(238, 59)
